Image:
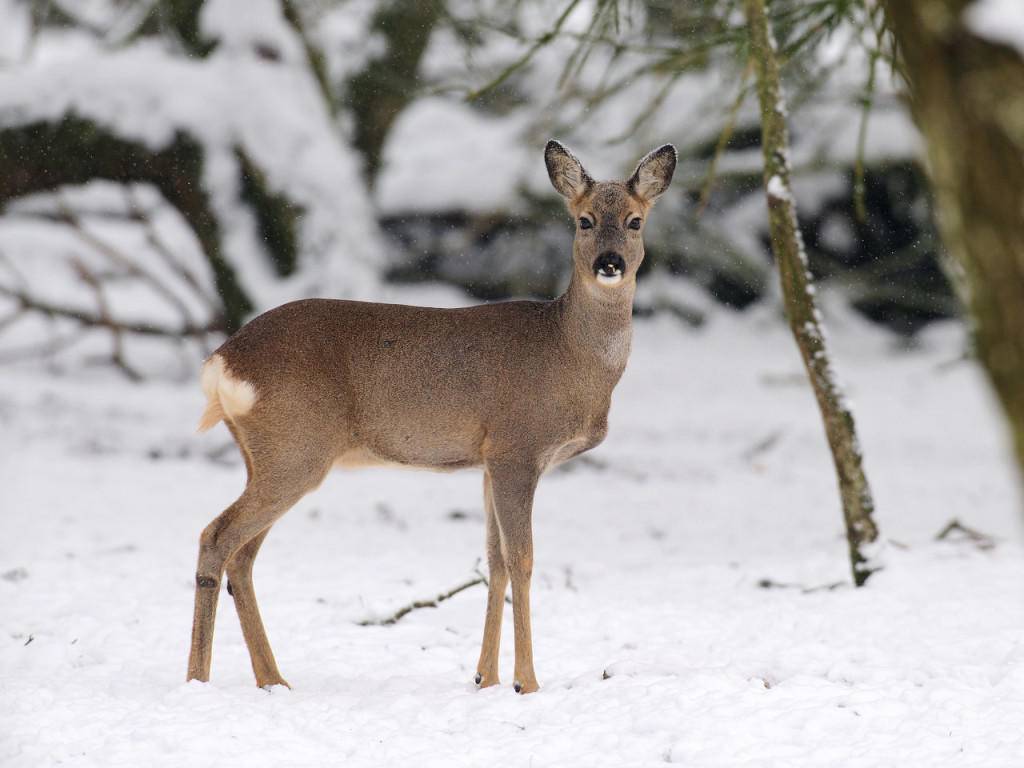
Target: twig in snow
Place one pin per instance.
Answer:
(401, 612)
(763, 445)
(947, 365)
(771, 584)
(223, 454)
(981, 540)
(569, 584)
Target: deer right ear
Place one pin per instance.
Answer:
(567, 174)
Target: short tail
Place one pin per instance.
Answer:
(209, 379)
(213, 414)
(226, 396)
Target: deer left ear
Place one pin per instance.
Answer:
(654, 173)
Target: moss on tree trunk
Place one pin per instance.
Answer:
(967, 98)
(388, 83)
(42, 156)
(798, 294)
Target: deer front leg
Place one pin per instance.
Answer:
(513, 485)
(487, 667)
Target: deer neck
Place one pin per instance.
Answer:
(598, 321)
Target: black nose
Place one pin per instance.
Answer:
(610, 264)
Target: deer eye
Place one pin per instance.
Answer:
(585, 223)
(635, 223)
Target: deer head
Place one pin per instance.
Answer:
(608, 247)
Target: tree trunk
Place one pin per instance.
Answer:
(798, 293)
(381, 91)
(967, 97)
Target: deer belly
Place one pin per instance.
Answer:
(422, 445)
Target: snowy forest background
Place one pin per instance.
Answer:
(204, 161)
(170, 168)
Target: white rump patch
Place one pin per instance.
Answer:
(236, 396)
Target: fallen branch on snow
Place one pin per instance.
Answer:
(401, 612)
(981, 540)
(770, 584)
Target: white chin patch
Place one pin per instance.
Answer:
(613, 279)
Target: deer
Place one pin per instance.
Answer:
(515, 388)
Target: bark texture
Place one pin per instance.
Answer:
(967, 97)
(798, 293)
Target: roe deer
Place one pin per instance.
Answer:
(515, 387)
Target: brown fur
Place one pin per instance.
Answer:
(514, 387)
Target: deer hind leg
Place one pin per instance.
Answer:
(487, 667)
(239, 570)
(273, 488)
(513, 486)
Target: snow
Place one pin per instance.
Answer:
(998, 20)
(442, 155)
(778, 189)
(14, 33)
(836, 234)
(262, 24)
(654, 642)
(233, 98)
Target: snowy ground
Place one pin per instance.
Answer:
(653, 639)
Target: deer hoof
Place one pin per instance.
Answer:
(525, 687)
(486, 681)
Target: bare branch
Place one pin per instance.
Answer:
(92, 319)
(417, 604)
(157, 243)
(115, 256)
(523, 60)
(116, 331)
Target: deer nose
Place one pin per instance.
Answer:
(609, 267)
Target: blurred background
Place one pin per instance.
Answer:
(168, 168)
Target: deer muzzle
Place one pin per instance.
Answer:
(609, 268)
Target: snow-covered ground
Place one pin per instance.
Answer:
(655, 639)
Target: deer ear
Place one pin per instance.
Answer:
(566, 172)
(654, 173)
